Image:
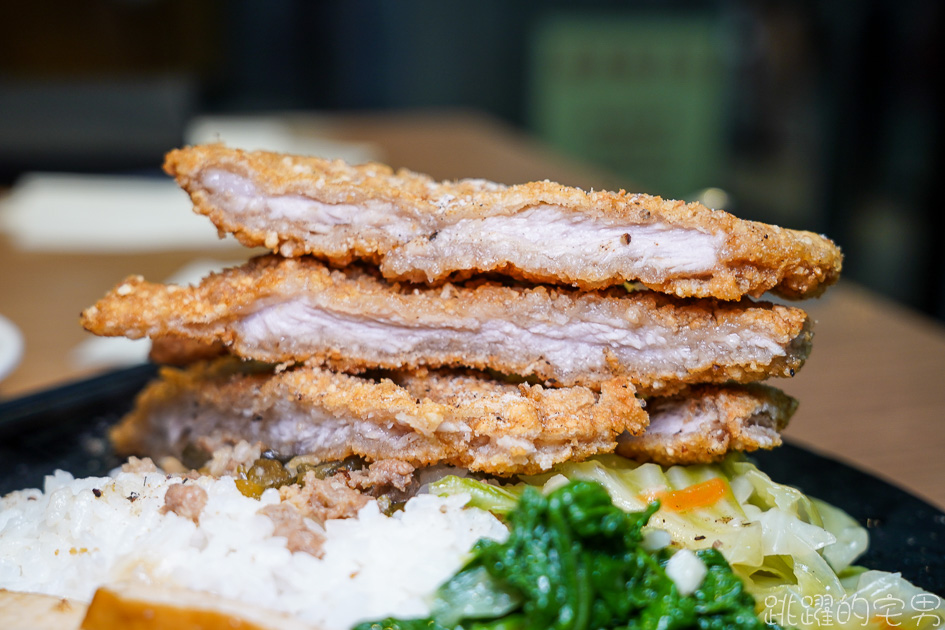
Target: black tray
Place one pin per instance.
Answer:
(65, 428)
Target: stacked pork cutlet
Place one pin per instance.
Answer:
(500, 328)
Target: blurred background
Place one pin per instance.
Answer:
(821, 115)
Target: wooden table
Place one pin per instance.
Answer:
(871, 394)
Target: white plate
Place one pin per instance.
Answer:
(11, 347)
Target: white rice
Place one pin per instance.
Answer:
(67, 541)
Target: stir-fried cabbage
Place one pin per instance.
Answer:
(794, 553)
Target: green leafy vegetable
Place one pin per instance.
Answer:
(573, 560)
(792, 553)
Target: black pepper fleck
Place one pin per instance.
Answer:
(625, 239)
(133, 497)
(96, 492)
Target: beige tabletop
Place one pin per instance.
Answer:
(872, 393)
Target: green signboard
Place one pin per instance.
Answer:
(641, 95)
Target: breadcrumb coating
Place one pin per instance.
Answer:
(462, 419)
(424, 231)
(278, 310)
(705, 423)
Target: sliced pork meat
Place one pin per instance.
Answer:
(461, 419)
(278, 310)
(424, 231)
(704, 424)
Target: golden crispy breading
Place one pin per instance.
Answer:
(180, 351)
(463, 419)
(293, 310)
(420, 230)
(703, 424)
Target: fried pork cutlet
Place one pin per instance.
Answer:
(420, 230)
(177, 350)
(461, 419)
(276, 310)
(424, 418)
(704, 424)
